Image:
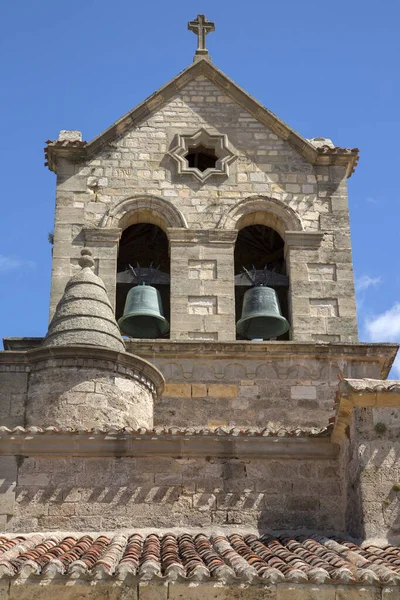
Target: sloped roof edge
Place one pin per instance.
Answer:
(317, 156)
(224, 557)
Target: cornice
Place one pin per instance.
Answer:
(352, 352)
(383, 353)
(40, 357)
(169, 442)
(143, 370)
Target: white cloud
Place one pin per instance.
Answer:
(365, 281)
(386, 328)
(9, 263)
(396, 366)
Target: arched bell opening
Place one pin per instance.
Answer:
(143, 262)
(260, 250)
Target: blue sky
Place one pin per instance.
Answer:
(326, 68)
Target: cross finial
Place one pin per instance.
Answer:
(201, 27)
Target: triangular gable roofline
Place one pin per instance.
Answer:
(324, 155)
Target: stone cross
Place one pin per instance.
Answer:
(201, 27)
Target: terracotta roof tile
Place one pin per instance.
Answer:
(175, 431)
(326, 149)
(226, 558)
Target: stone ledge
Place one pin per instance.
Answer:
(150, 443)
(21, 343)
(89, 588)
(88, 356)
(84, 356)
(384, 353)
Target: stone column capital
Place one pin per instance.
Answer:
(303, 239)
(201, 236)
(101, 236)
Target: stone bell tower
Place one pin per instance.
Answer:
(204, 181)
(218, 174)
(203, 457)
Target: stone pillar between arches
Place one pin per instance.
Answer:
(104, 246)
(202, 284)
(321, 296)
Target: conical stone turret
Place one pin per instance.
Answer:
(84, 315)
(81, 377)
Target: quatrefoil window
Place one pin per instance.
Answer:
(202, 154)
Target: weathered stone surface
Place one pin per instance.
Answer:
(289, 385)
(106, 493)
(84, 387)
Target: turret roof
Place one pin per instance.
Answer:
(84, 315)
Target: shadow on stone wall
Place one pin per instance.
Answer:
(94, 494)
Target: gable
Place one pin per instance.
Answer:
(322, 155)
(201, 106)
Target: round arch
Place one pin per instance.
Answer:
(261, 210)
(144, 209)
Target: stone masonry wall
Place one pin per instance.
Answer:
(112, 493)
(138, 166)
(13, 391)
(374, 474)
(322, 283)
(61, 396)
(202, 290)
(207, 387)
(76, 388)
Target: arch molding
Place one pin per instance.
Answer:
(261, 210)
(144, 209)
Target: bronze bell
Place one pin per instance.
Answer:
(261, 315)
(143, 314)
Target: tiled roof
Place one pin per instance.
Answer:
(354, 152)
(175, 431)
(77, 145)
(368, 386)
(65, 143)
(337, 150)
(230, 558)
